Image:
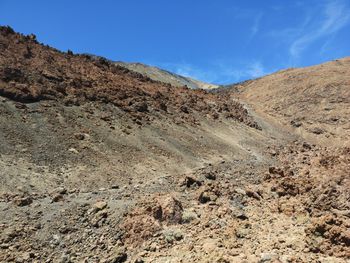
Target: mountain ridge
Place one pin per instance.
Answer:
(166, 76)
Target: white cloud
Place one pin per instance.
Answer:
(334, 16)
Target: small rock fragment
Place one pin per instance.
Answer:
(57, 198)
(317, 130)
(253, 194)
(207, 196)
(79, 136)
(100, 205)
(210, 176)
(190, 181)
(23, 201)
(73, 150)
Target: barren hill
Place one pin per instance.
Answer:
(102, 164)
(165, 76)
(313, 101)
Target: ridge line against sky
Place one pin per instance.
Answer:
(214, 41)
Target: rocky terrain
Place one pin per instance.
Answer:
(103, 164)
(314, 102)
(165, 76)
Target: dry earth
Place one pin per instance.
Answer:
(102, 164)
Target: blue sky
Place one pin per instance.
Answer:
(218, 41)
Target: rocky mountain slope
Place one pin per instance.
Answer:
(102, 164)
(313, 101)
(165, 76)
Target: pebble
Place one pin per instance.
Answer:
(100, 205)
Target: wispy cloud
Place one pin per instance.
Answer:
(334, 16)
(322, 20)
(222, 72)
(256, 25)
(250, 70)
